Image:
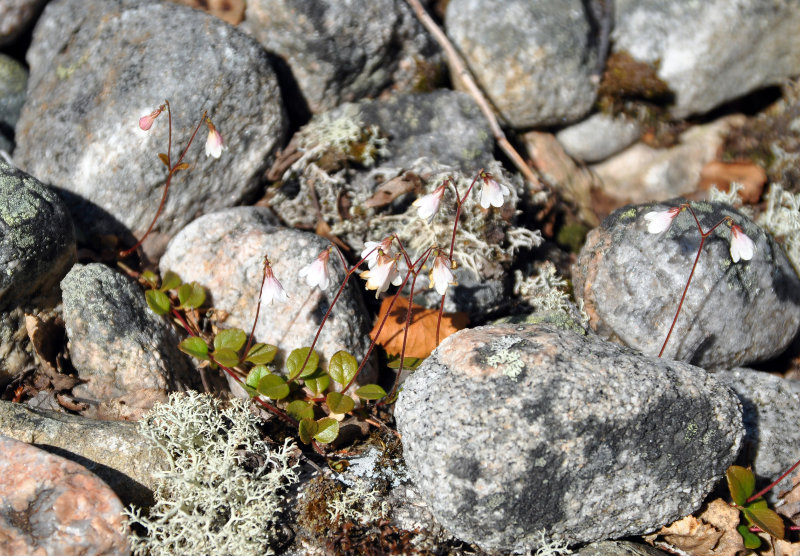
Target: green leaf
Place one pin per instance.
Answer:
(759, 514)
(741, 483)
(327, 430)
(294, 363)
(151, 278)
(255, 375)
(157, 301)
(273, 386)
(343, 367)
(751, 540)
(261, 354)
(410, 363)
(231, 338)
(300, 410)
(308, 429)
(371, 392)
(195, 346)
(339, 403)
(318, 382)
(191, 295)
(170, 281)
(226, 357)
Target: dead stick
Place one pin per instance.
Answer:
(459, 68)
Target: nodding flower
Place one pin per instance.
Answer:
(371, 249)
(316, 273)
(492, 192)
(214, 144)
(146, 122)
(272, 289)
(441, 275)
(742, 247)
(382, 273)
(428, 205)
(660, 220)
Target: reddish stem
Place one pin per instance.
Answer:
(769, 487)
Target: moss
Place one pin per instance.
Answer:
(627, 78)
(572, 236)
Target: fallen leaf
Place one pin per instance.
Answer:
(421, 331)
(47, 340)
(389, 191)
(721, 174)
(712, 533)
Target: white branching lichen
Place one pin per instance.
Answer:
(358, 503)
(782, 220)
(223, 491)
(510, 361)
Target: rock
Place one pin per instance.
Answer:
(544, 435)
(642, 173)
(13, 81)
(224, 252)
(333, 52)
(126, 354)
(599, 136)
(548, 78)
(619, 548)
(50, 505)
(692, 48)
(770, 411)
(631, 282)
(79, 126)
(16, 16)
(37, 247)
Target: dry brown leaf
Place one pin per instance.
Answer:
(47, 339)
(751, 176)
(791, 502)
(389, 191)
(712, 533)
(421, 332)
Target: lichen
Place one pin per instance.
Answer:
(223, 490)
(782, 219)
(512, 365)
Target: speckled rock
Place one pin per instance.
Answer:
(37, 247)
(13, 81)
(599, 136)
(631, 282)
(126, 354)
(534, 60)
(97, 66)
(224, 252)
(16, 16)
(771, 411)
(512, 430)
(619, 548)
(333, 52)
(50, 505)
(697, 55)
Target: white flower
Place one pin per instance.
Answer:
(214, 143)
(428, 205)
(316, 273)
(272, 289)
(741, 246)
(371, 248)
(492, 193)
(441, 276)
(660, 220)
(383, 273)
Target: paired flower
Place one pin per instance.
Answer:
(214, 144)
(272, 289)
(441, 275)
(316, 273)
(371, 249)
(492, 192)
(428, 205)
(660, 220)
(382, 273)
(742, 247)
(146, 122)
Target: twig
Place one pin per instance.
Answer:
(458, 67)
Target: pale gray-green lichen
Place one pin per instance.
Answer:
(509, 361)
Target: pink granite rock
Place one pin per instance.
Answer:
(50, 505)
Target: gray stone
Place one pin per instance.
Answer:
(112, 450)
(126, 354)
(771, 411)
(599, 136)
(697, 55)
(16, 16)
(50, 505)
(339, 52)
(37, 248)
(516, 435)
(224, 252)
(534, 60)
(13, 82)
(619, 548)
(97, 66)
(631, 282)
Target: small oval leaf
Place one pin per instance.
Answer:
(181, 166)
(157, 301)
(751, 540)
(741, 483)
(226, 357)
(150, 277)
(261, 354)
(339, 403)
(164, 158)
(231, 338)
(273, 386)
(765, 519)
(307, 429)
(195, 346)
(300, 410)
(294, 363)
(170, 281)
(343, 367)
(191, 295)
(327, 430)
(371, 392)
(255, 375)
(318, 382)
